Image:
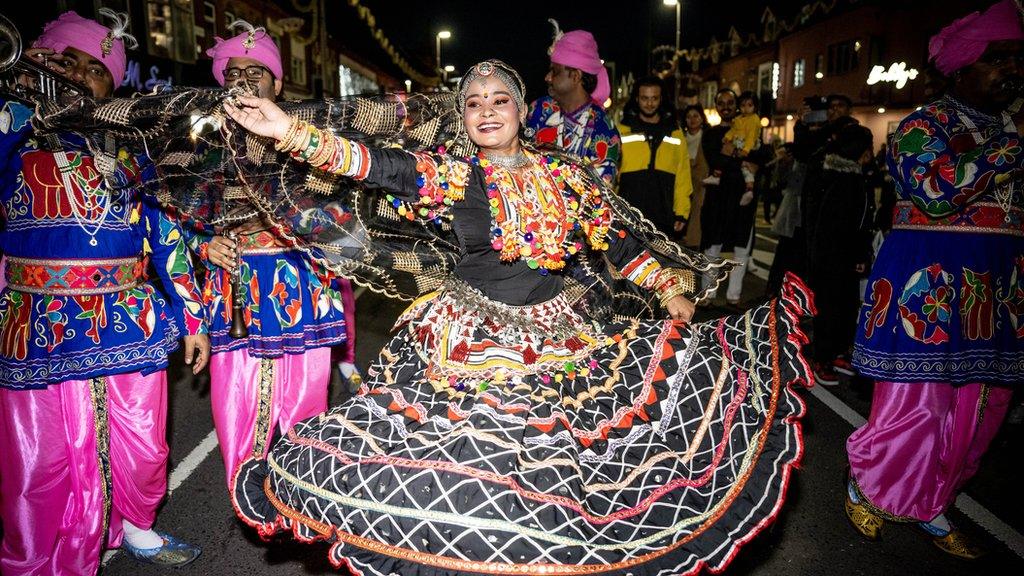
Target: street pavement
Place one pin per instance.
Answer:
(810, 537)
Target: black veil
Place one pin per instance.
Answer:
(214, 174)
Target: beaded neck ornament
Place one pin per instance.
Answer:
(538, 217)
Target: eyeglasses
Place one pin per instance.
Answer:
(250, 72)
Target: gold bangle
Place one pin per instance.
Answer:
(669, 294)
(281, 144)
(346, 158)
(295, 144)
(325, 147)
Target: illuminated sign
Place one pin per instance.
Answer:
(897, 73)
(133, 78)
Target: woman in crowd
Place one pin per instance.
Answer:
(695, 122)
(505, 428)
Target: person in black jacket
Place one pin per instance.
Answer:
(727, 216)
(839, 247)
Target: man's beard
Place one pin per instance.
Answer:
(646, 115)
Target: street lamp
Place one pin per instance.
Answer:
(442, 35)
(678, 5)
(448, 70)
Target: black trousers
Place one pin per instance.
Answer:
(837, 298)
(790, 256)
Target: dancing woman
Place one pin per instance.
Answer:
(504, 429)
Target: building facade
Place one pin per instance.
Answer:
(174, 35)
(873, 52)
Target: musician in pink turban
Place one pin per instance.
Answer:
(85, 336)
(941, 327)
(278, 374)
(572, 115)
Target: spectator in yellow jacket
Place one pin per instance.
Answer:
(655, 171)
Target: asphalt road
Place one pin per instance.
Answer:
(811, 536)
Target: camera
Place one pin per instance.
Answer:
(819, 110)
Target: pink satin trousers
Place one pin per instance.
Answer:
(251, 396)
(922, 442)
(51, 482)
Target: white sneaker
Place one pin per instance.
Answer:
(712, 180)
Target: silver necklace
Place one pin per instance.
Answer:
(1004, 197)
(517, 160)
(93, 199)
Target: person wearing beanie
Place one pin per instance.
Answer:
(941, 326)
(263, 383)
(84, 336)
(571, 117)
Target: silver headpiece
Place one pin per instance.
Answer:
(499, 70)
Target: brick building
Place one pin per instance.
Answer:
(174, 35)
(874, 52)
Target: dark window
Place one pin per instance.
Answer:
(842, 57)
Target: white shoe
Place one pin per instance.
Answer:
(712, 180)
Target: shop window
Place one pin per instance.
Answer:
(707, 94)
(351, 82)
(210, 13)
(298, 63)
(843, 57)
(171, 30)
(798, 73)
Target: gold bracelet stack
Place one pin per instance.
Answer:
(673, 282)
(290, 142)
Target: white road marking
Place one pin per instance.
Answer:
(969, 506)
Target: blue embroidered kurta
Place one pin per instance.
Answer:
(77, 304)
(945, 301)
(292, 303)
(587, 132)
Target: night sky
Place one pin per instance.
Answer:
(518, 32)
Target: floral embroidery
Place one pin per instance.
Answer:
(1013, 297)
(936, 306)
(881, 296)
(587, 133)
(938, 112)
(285, 296)
(1003, 152)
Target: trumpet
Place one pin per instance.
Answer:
(26, 80)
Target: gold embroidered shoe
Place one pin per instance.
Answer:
(173, 552)
(953, 542)
(864, 520)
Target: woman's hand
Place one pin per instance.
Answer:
(259, 116)
(679, 308)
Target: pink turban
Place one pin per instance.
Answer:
(89, 36)
(254, 43)
(578, 49)
(965, 40)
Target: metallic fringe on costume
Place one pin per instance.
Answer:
(101, 427)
